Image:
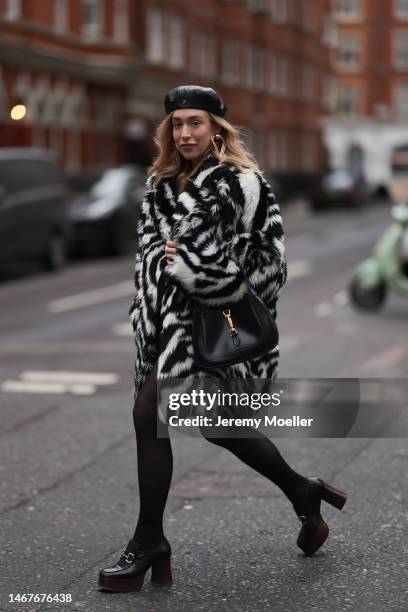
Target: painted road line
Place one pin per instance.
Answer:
(386, 360)
(91, 378)
(123, 329)
(24, 386)
(89, 298)
(324, 309)
(297, 269)
(341, 299)
(67, 347)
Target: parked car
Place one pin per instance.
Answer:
(337, 188)
(104, 218)
(33, 208)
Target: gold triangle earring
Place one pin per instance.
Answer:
(219, 153)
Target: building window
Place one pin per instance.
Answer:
(61, 16)
(278, 11)
(278, 75)
(12, 10)
(329, 32)
(257, 6)
(155, 35)
(401, 9)
(92, 18)
(255, 67)
(348, 100)
(121, 21)
(400, 43)
(349, 9)
(177, 42)
(349, 52)
(401, 99)
(203, 54)
(230, 61)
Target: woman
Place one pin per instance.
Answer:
(208, 222)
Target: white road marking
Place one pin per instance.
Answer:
(95, 378)
(341, 298)
(22, 386)
(290, 343)
(324, 309)
(298, 269)
(123, 329)
(67, 347)
(346, 327)
(78, 383)
(88, 298)
(385, 360)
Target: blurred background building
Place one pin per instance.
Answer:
(91, 75)
(371, 68)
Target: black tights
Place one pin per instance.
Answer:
(155, 463)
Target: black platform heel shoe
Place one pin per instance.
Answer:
(314, 529)
(129, 572)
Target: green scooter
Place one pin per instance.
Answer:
(387, 268)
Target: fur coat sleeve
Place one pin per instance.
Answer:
(229, 231)
(150, 258)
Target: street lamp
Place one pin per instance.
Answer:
(18, 112)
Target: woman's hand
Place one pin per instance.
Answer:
(170, 251)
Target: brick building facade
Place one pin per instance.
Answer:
(93, 74)
(371, 69)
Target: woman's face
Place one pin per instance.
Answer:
(192, 130)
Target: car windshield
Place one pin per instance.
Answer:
(112, 183)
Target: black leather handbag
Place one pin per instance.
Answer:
(233, 333)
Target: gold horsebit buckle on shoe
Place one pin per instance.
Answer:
(128, 556)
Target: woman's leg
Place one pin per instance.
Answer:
(261, 454)
(155, 465)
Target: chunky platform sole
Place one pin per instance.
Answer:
(161, 577)
(311, 544)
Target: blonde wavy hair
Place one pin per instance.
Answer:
(170, 163)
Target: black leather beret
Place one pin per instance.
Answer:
(195, 96)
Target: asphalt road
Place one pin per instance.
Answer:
(69, 496)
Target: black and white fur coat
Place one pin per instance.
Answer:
(225, 223)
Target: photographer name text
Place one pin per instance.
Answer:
(266, 421)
